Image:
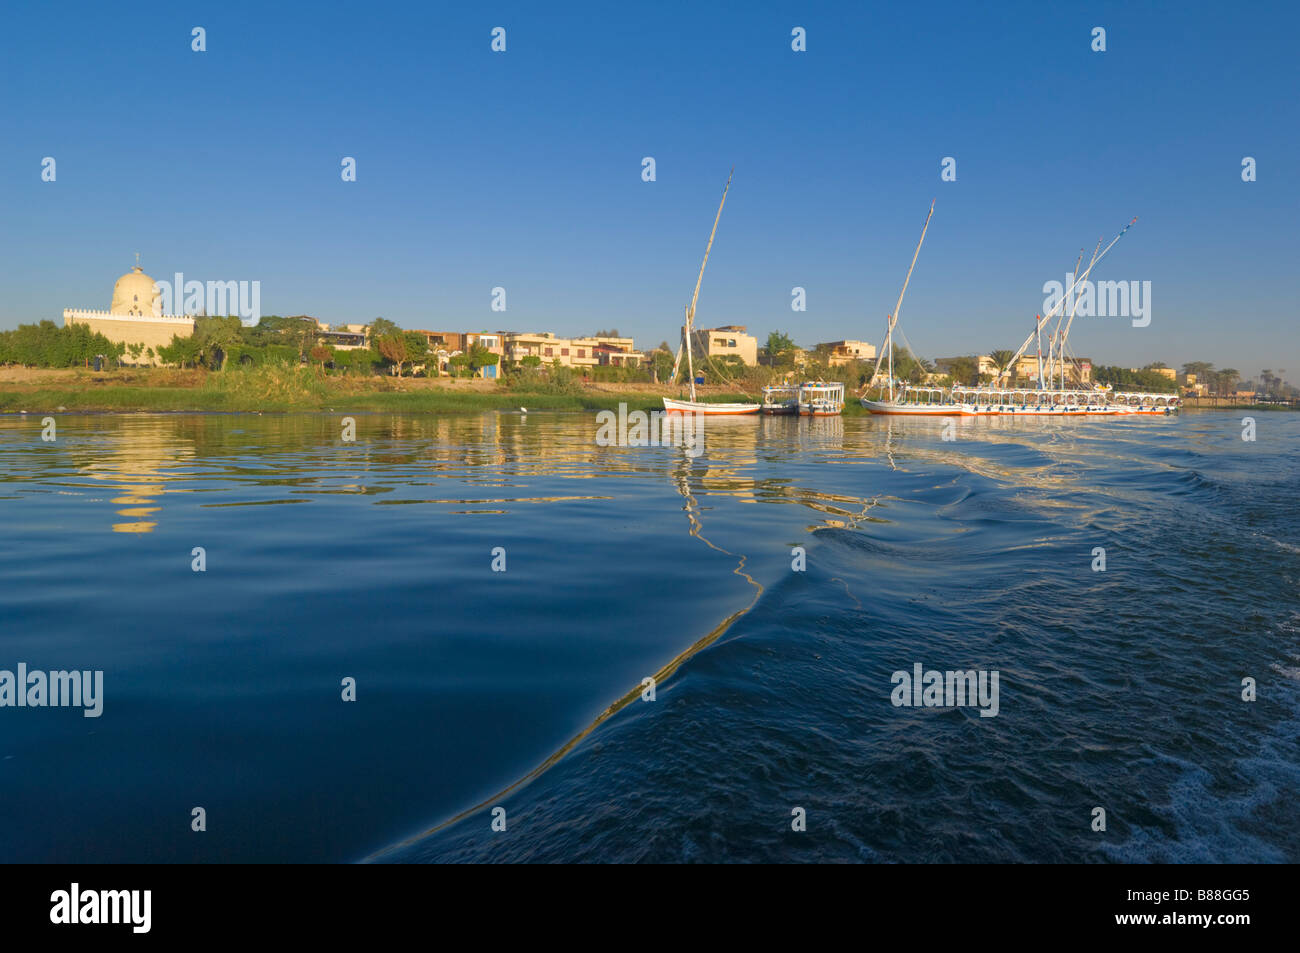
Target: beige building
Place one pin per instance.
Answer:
(729, 340)
(343, 337)
(839, 353)
(598, 351)
(134, 317)
(1166, 372)
(1078, 370)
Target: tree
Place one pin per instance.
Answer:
(417, 347)
(214, 335)
(662, 362)
(964, 370)
(780, 349)
(322, 354)
(382, 327)
(1001, 358)
(392, 348)
(480, 357)
(1227, 379)
(183, 351)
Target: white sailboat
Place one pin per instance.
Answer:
(694, 406)
(1051, 397)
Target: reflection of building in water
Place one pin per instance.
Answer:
(135, 459)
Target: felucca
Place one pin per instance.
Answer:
(694, 406)
(1050, 396)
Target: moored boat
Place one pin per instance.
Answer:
(820, 399)
(705, 407)
(1051, 397)
(693, 406)
(781, 399)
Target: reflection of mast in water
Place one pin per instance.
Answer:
(681, 477)
(889, 445)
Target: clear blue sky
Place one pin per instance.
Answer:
(522, 169)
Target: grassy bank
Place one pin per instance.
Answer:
(301, 390)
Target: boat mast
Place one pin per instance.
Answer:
(690, 311)
(1075, 308)
(893, 318)
(1055, 337)
(1038, 329)
(891, 357)
(1095, 259)
(690, 362)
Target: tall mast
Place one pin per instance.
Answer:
(1095, 259)
(893, 318)
(1054, 337)
(891, 357)
(690, 361)
(1038, 329)
(690, 311)
(1075, 307)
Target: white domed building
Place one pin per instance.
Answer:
(134, 317)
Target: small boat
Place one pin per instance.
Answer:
(820, 399)
(705, 407)
(781, 399)
(694, 406)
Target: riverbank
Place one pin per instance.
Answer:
(285, 390)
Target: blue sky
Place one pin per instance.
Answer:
(523, 169)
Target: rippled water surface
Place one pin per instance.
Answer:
(373, 560)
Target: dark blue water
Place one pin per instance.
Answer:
(373, 560)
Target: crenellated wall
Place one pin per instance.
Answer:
(152, 331)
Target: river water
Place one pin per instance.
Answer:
(498, 586)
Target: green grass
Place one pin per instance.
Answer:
(289, 389)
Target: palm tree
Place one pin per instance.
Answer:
(1228, 378)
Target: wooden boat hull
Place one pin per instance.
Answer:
(890, 408)
(712, 410)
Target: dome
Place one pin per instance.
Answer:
(134, 294)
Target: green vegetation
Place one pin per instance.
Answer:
(286, 387)
(48, 345)
(779, 350)
(1146, 379)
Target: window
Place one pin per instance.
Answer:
(547, 352)
(582, 352)
(564, 352)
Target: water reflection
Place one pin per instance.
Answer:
(139, 461)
